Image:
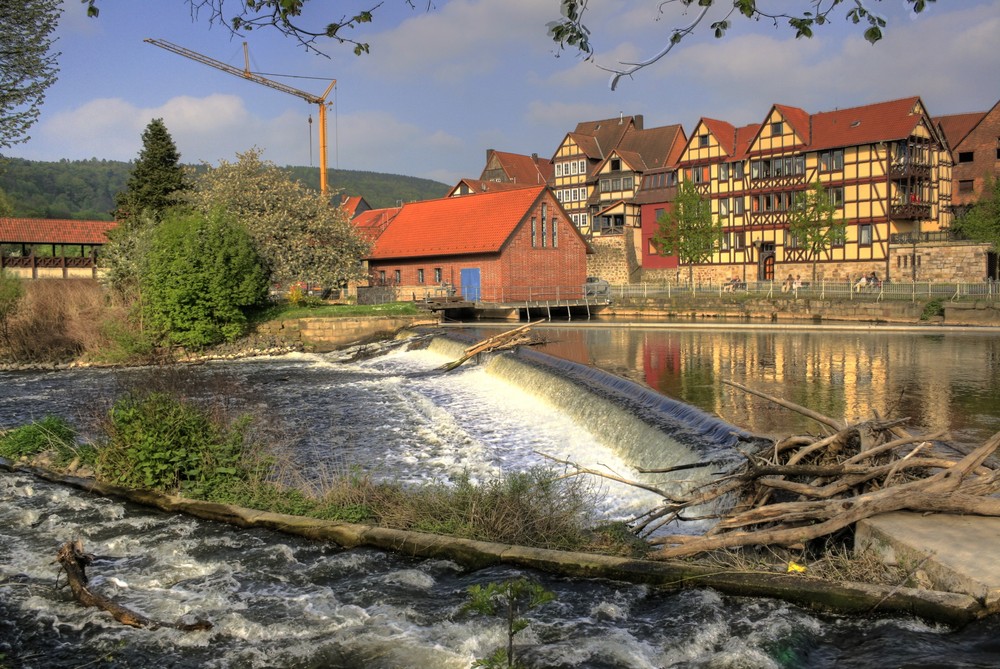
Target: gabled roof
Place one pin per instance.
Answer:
(372, 223)
(522, 169)
(598, 138)
(54, 231)
(353, 205)
(456, 225)
(479, 186)
(879, 122)
(956, 127)
(797, 118)
(658, 147)
(724, 133)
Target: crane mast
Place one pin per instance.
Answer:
(245, 73)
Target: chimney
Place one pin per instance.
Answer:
(637, 121)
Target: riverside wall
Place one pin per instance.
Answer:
(968, 313)
(327, 334)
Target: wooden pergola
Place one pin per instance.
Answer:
(71, 244)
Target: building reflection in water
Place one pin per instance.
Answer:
(939, 381)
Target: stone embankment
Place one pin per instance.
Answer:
(328, 334)
(969, 313)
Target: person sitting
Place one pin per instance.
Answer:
(861, 283)
(873, 282)
(730, 285)
(797, 283)
(787, 284)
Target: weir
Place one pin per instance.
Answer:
(645, 428)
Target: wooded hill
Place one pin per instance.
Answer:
(85, 189)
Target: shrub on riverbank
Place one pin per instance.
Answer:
(51, 436)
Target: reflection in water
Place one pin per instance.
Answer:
(939, 381)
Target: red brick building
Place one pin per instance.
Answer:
(492, 247)
(975, 147)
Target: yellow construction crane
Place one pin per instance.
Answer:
(278, 86)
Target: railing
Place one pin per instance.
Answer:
(599, 294)
(919, 237)
(834, 290)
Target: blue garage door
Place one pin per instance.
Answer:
(470, 284)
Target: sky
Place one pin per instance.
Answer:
(446, 81)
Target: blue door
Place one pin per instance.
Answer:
(470, 284)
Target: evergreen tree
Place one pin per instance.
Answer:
(151, 190)
(27, 64)
(155, 179)
(687, 229)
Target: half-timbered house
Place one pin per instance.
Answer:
(884, 166)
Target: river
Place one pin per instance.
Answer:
(279, 601)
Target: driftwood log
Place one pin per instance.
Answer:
(807, 487)
(505, 340)
(74, 561)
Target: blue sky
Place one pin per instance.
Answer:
(440, 87)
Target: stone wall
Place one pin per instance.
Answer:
(975, 312)
(948, 262)
(614, 257)
(327, 334)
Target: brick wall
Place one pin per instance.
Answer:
(984, 143)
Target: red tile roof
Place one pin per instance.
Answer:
(879, 122)
(798, 119)
(526, 170)
(957, 127)
(479, 186)
(54, 231)
(372, 222)
(456, 225)
(351, 204)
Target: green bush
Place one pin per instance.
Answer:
(201, 274)
(159, 442)
(932, 309)
(50, 434)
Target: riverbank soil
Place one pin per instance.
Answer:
(948, 552)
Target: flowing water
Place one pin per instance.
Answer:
(280, 601)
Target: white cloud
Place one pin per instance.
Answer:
(462, 39)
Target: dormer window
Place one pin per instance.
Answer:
(777, 128)
(616, 165)
(703, 140)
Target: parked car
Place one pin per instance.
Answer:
(596, 287)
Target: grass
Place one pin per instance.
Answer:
(287, 311)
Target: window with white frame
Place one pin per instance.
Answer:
(573, 168)
(724, 172)
(582, 169)
(559, 169)
(724, 207)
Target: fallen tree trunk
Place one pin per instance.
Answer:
(74, 562)
(504, 340)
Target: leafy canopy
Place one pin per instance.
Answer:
(287, 16)
(299, 235)
(28, 66)
(982, 222)
(687, 229)
(811, 223)
(200, 275)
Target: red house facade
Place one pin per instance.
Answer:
(492, 247)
